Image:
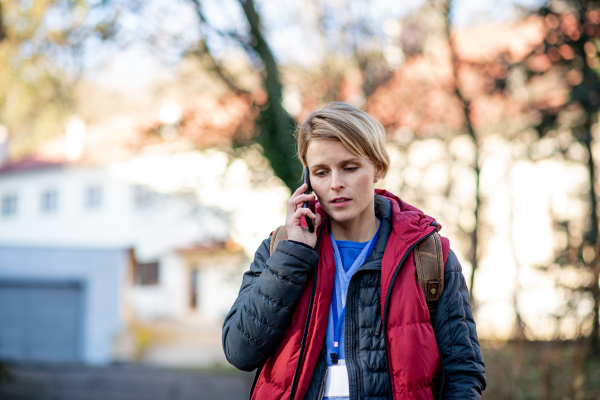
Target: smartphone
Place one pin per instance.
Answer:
(309, 224)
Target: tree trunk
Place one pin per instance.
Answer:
(595, 342)
(468, 125)
(2, 26)
(592, 234)
(275, 124)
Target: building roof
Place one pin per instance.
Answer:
(30, 163)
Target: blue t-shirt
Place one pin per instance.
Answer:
(349, 251)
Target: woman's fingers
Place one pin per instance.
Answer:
(296, 201)
(295, 212)
(299, 213)
(317, 222)
(302, 198)
(298, 232)
(300, 190)
(293, 200)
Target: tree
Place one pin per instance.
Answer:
(274, 124)
(42, 42)
(351, 45)
(434, 104)
(468, 127)
(570, 47)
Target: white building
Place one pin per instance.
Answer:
(100, 241)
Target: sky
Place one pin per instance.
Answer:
(132, 68)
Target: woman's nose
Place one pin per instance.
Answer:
(337, 182)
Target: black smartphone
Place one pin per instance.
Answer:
(311, 227)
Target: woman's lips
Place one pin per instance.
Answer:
(341, 202)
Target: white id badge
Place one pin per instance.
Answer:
(336, 382)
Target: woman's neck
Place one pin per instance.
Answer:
(360, 229)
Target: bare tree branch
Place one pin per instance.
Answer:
(261, 47)
(203, 52)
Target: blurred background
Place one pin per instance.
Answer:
(146, 150)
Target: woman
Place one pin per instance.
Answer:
(339, 313)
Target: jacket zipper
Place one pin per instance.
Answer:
(322, 390)
(307, 323)
(355, 350)
(387, 303)
(354, 347)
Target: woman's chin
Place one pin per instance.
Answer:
(342, 215)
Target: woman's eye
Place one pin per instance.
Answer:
(320, 173)
(351, 169)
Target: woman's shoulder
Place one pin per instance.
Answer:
(263, 250)
(452, 263)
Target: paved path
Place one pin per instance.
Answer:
(73, 382)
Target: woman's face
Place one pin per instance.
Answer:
(343, 182)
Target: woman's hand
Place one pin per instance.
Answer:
(295, 213)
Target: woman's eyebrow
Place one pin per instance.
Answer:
(350, 161)
(343, 162)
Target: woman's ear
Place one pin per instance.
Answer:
(378, 171)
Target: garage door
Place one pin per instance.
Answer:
(40, 321)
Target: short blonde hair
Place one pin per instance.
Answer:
(359, 132)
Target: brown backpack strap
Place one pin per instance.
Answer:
(278, 234)
(429, 260)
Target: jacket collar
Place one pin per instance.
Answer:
(395, 215)
(383, 211)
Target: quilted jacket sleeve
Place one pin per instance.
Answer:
(264, 306)
(456, 336)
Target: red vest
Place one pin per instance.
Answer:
(412, 350)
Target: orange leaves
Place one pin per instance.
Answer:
(562, 30)
(542, 62)
(591, 53)
(553, 53)
(419, 97)
(574, 77)
(538, 62)
(591, 27)
(570, 26)
(566, 52)
(551, 21)
(593, 16)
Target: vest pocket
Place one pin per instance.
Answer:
(378, 325)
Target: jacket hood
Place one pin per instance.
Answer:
(406, 217)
